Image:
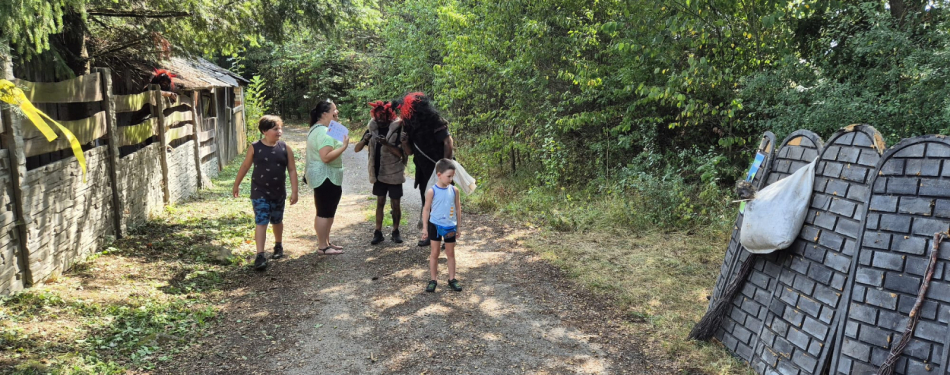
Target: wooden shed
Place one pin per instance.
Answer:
(218, 96)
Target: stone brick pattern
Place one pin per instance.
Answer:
(740, 327)
(801, 318)
(909, 202)
(209, 170)
(66, 218)
(182, 172)
(140, 186)
(11, 278)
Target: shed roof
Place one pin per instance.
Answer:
(198, 73)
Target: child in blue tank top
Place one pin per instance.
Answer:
(442, 213)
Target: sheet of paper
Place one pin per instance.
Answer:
(337, 131)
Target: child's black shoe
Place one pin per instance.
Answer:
(377, 237)
(260, 263)
(431, 286)
(454, 284)
(396, 237)
(278, 251)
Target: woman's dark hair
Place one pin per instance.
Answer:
(269, 122)
(318, 111)
(395, 104)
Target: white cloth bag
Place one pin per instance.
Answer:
(464, 181)
(775, 216)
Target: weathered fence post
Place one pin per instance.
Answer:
(108, 105)
(159, 113)
(197, 132)
(12, 139)
(218, 135)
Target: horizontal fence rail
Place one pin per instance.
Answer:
(162, 152)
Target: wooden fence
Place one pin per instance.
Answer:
(142, 151)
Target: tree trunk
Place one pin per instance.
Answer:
(900, 9)
(72, 43)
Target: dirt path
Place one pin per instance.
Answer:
(365, 312)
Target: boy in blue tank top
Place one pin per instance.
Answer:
(442, 213)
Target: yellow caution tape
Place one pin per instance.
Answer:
(11, 94)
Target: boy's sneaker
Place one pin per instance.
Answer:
(278, 252)
(396, 237)
(377, 237)
(260, 262)
(431, 286)
(454, 284)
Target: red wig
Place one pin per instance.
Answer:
(409, 103)
(157, 78)
(382, 112)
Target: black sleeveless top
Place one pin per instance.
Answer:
(270, 168)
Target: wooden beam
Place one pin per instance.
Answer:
(12, 140)
(85, 130)
(132, 103)
(178, 133)
(205, 136)
(207, 150)
(108, 106)
(178, 117)
(158, 112)
(77, 90)
(133, 135)
(195, 125)
(237, 109)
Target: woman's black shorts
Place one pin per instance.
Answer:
(327, 198)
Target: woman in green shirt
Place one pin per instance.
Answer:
(325, 173)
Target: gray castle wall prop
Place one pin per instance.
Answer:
(838, 299)
(741, 325)
(909, 202)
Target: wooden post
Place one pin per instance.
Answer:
(197, 130)
(12, 139)
(218, 134)
(108, 105)
(158, 110)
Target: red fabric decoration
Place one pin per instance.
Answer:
(171, 77)
(381, 112)
(408, 103)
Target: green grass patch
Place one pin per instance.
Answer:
(654, 245)
(369, 210)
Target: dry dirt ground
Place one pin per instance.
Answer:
(365, 311)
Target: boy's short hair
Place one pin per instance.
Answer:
(269, 122)
(444, 165)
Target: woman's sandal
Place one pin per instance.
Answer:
(324, 250)
(335, 247)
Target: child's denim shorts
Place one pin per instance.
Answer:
(268, 211)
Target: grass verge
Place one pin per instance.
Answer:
(655, 251)
(139, 301)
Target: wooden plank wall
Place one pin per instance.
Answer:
(139, 173)
(66, 218)
(142, 151)
(14, 274)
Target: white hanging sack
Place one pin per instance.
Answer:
(775, 216)
(464, 181)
